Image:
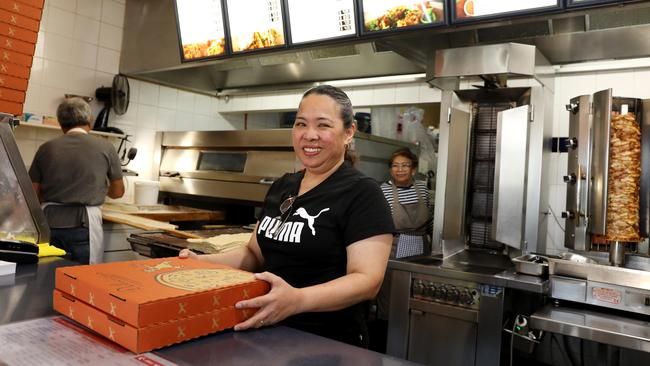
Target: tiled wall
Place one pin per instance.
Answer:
(79, 47)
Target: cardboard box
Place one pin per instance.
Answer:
(12, 95)
(21, 8)
(34, 3)
(15, 58)
(12, 82)
(146, 292)
(19, 20)
(153, 336)
(14, 70)
(11, 107)
(12, 44)
(15, 32)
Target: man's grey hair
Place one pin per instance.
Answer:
(73, 112)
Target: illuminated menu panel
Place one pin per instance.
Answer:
(487, 8)
(314, 20)
(255, 24)
(200, 23)
(381, 15)
(589, 2)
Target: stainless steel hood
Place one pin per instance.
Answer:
(150, 48)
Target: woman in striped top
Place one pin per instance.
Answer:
(410, 206)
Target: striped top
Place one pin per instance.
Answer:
(405, 195)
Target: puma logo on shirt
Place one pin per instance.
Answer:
(288, 231)
(310, 219)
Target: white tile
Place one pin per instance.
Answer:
(429, 94)
(130, 118)
(147, 116)
(384, 94)
(80, 81)
(108, 60)
(69, 5)
(110, 36)
(134, 90)
(168, 98)
(27, 149)
(224, 105)
(32, 98)
(621, 82)
(202, 104)
(23, 133)
(407, 93)
(58, 48)
(90, 8)
(166, 119)
(105, 79)
(113, 13)
(84, 54)
(39, 49)
(254, 103)
(36, 73)
(60, 22)
(86, 29)
(214, 106)
(641, 82)
(185, 101)
(149, 94)
(184, 121)
(50, 100)
(361, 96)
(44, 15)
(55, 74)
(203, 123)
(238, 102)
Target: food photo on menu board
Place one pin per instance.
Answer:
(200, 23)
(480, 8)
(335, 18)
(255, 24)
(387, 14)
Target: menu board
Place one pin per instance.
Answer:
(314, 20)
(201, 31)
(380, 15)
(465, 9)
(255, 24)
(588, 2)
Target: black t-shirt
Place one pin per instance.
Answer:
(306, 245)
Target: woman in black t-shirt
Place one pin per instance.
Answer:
(324, 233)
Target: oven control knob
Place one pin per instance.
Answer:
(572, 143)
(466, 297)
(571, 178)
(417, 288)
(429, 289)
(452, 294)
(568, 215)
(441, 294)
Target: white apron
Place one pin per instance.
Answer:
(95, 231)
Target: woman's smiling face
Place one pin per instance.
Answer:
(402, 171)
(319, 135)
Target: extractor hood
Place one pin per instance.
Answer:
(150, 49)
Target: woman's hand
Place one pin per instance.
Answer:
(281, 302)
(186, 253)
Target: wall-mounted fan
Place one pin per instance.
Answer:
(115, 97)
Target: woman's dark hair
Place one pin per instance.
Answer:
(406, 153)
(345, 110)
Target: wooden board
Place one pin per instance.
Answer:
(165, 212)
(144, 223)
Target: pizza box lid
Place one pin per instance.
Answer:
(145, 292)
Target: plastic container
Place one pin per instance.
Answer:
(146, 192)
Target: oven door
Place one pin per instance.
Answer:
(442, 334)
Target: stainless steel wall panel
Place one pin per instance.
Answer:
(510, 176)
(575, 232)
(456, 186)
(597, 209)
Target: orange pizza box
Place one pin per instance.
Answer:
(153, 336)
(14, 32)
(12, 82)
(15, 58)
(16, 45)
(34, 3)
(11, 107)
(18, 7)
(16, 70)
(19, 20)
(12, 95)
(146, 292)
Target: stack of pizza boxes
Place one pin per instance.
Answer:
(148, 304)
(19, 25)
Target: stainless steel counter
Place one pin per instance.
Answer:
(28, 295)
(594, 325)
(476, 267)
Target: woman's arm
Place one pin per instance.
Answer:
(367, 261)
(248, 258)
